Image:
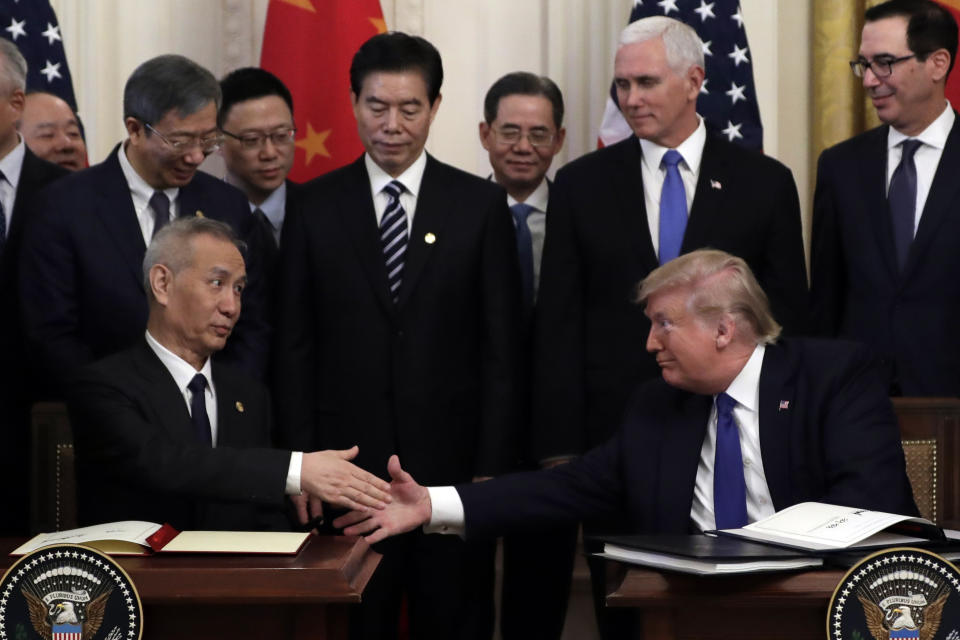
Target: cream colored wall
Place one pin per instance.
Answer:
(572, 41)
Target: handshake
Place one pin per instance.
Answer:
(378, 507)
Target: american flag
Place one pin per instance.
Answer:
(32, 26)
(728, 100)
(66, 632)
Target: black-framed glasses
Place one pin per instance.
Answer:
(882, 66)
(183, 142)
(256, 140)
(511, 136)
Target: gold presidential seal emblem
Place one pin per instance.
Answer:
(897, 593)
(68, 592)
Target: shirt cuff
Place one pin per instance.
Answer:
(293, 474)
(446, 512)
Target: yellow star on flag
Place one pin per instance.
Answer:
(379, 23)
(314, 143)
(301, 4)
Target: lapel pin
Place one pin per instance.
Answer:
(239, 406)
(715, 184)
(429, 238)
(784, 405)
(199, 214)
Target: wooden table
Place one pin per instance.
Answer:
(768, 606)
(238, 596)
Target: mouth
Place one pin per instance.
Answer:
(183, 174)
(222, 331)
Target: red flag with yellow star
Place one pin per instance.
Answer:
(309, 45)
(953, 80)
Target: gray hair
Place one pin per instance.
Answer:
(720, 283)
(172, 246)
(14, 68)
(683, 46)
(165, 83)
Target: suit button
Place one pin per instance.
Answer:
(399, 334)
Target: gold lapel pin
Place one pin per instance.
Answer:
(199, 214)
(429, 238)
(239, 406)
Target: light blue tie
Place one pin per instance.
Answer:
(729, 487)
(673, 208)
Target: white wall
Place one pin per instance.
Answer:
(572, 41)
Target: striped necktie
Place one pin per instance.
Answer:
(393, 238)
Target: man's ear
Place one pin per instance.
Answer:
(726, 330)
(161, 281)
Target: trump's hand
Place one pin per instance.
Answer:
(308, 508)
(329, 476)
(410, 509)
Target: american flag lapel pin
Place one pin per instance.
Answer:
(715, 184)
(784, 405)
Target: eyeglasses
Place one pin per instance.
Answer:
(882, 67)
(181, 143)
(536, 137)
(252, 140)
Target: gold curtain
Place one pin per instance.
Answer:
(840, 108)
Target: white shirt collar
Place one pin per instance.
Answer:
(12, 163)
(181, 370)
(274, 206)
(745, 388)
(410, 178)
(935, 135)
(691, 149)
(139, 187)
(538, 199)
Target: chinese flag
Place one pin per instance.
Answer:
(953, 80)
(309, 45)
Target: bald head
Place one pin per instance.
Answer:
(51, 130)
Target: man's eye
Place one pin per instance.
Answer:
(216, 282)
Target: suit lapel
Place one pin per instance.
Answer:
(433, 204)
(627, 181)
(777, 391)
(679, 458)
(872, 187)
(189, 203)
(941, 201)
(708, 199)
(230, 410)
(356, 212)
(115, 210)
(163, 392)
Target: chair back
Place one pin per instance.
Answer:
(53, 487)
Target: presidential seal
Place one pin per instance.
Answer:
(68, 592)
(897, 593)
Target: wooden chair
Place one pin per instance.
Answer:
(53, 487)
(930, 430)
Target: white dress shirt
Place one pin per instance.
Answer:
(926, 158)
(141, 192)
(183, 372)
(537, 224)
(447, 514)
(11, 164)
(653, 175)
(410, 179)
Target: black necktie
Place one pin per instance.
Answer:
(265, 225)
(902, 197)
(521, 212)
(198, 409)
(160, 204)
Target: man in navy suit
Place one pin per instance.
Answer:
(22, 176)
(885, 269)
(165, 435)
(83, 297)
(399, 327)
(740, 426)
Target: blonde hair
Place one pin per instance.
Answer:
(720, 283)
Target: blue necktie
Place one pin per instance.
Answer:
(198, 409)
(393, 238)
(673, 208)
(902, 197)
(160, 204)
(520, 213)
(729, 488)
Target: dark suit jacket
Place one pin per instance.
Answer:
(433, 377)
(836, 441)
(82, 270)
(590, 337)
(16, 390)
(138, 458)
(858, 292)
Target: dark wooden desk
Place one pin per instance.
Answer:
(760, 606)
(233, 596)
